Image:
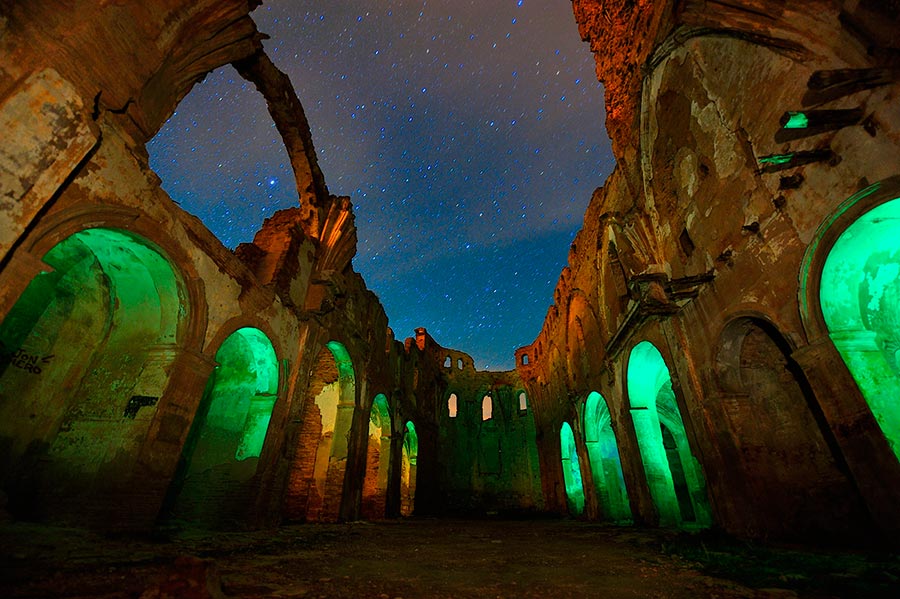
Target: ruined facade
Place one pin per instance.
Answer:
(720, 351)
(728, 298)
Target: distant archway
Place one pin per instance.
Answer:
(673, 473)
(317, 472)
(83, 363)
(606, 465)
(408, 470)
(221, 454)
(860, 298)
(571, 470)
(378, 459)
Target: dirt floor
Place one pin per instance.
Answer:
(428, 558)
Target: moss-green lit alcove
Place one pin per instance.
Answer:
(220, 457)
(606, 465)
(408, 469)
(82, 366)
(571, 470)
(673, 473)
(860, 299)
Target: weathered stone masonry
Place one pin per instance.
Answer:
(709, 242)
(721, 349)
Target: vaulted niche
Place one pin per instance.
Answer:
(784, 463)
(320, 456)
(408, 470)
(673, 474)
(860, 298)
(213, 485)
(82, 366)
(378, 459)
(571, 470)
(606, 466)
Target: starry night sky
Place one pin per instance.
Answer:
(468, 134)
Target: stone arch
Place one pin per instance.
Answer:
(785, 451)
(319, 465)
(214, 483)
(606, 464)
(673, 473)
(378, 459)
(86, 351)
(571, 470)
(849, 282)
(408, 469)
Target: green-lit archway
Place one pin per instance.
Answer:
(320, 458)
(673, 474)
(83, 363)
(221, 454)
(860, 299)
(571, 470)
(606, 466)
(408, 470)
(378, 459)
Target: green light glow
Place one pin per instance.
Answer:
(776, 159)
(86, 336)
(606, 466)
(796, 120)
(342, 359)
(673, 474)
(571, 470)
(411, 443)
(860, 299)
(241, 397)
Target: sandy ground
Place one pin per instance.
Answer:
(427, 558)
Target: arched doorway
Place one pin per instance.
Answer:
(606, 465)
(317, 471)
(781, 443)
(571, 470)
(219, 460)
(83, 363)
(408, 470)
(673, 473)
(378, 459)
(860, 298)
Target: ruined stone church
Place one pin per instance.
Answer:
(720, 352)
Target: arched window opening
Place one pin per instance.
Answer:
(606, 465)
(378, 458)
(448, 362)
(227, 436)
(571, 470)
(408, 470)
(860, 299)
(84, 356)
(487, 408)
(317, 471)
(525, 359)
(451, 405)
(653, 408)
(523, 402)
(459, 363)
